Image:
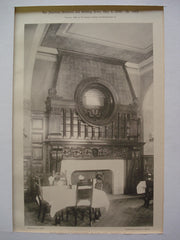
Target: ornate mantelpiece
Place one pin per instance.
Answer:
(79, 149)
(93, 127)
(96, 152)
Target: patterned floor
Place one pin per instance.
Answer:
(123, 212)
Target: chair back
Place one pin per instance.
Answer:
(99, 185)
(38, 194)
(38, 200)
(84, 193)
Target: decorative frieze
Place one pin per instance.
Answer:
(92, 152)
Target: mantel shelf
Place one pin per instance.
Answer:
(93, 142)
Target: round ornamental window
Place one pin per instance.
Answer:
(95, 102)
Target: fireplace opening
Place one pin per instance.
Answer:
(88, 174)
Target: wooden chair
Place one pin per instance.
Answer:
(84, 194)
(98, 185)
(43, 205)
(59, 217)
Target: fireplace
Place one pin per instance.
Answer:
(106, 176)
(117, 167)
(92, 129)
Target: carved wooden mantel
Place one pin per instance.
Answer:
(71, 137)
(79, 149)
(75, 150)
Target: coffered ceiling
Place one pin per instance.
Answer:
(132, 42)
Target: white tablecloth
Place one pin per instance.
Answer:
(60, 197)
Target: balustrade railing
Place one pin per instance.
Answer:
(125, 126)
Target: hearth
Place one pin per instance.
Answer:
(117, 167)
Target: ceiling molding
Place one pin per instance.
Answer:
(46, 57)
(64, 31)
(146, 65)
(47, 54)
(50, 54)
(132, 65)
(132, 68)
(146, 62)
(141, 68)
(48, 50)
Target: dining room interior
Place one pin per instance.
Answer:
(88, 124)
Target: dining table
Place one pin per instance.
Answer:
(61, 197)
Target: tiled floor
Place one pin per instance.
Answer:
(123, 211)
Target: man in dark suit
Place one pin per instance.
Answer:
(148, 191)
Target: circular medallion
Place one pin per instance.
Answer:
(95, 102)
